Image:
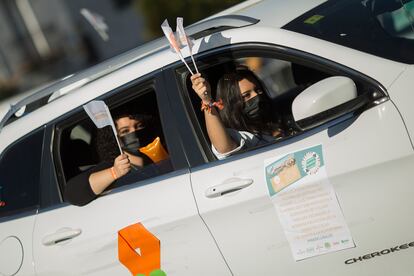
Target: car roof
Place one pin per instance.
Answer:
(274, 13)
(243, 14)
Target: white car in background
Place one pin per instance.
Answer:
(216, 217)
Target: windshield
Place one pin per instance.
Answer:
(383, 28)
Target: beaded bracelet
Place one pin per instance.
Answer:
(207, 106)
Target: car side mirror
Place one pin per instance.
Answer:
(323, 101)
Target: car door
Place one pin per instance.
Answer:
(147, 224)
(367, 155)
(19, 201)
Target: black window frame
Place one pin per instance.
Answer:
(183, 102)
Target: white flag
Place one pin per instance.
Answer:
(184, 39)
(170, 35)
(173, 42)
(99, 113)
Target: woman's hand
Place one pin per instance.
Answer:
(201, 87)
(100, 180)
(122, 165)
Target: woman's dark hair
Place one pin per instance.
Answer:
(105, 142)
(232, 115)
(144, 118)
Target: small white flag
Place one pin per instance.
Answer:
(97, 23)
(99, 113)
(170, 36)
(173, 42)
(184, 39)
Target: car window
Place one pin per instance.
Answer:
(282, 80)
(380, 27)
(83, 149)
(20, 168)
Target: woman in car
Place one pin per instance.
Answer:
(242, 117)
(134, 132)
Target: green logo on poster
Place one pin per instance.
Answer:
(311, 163)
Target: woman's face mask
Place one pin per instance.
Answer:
(256, 105)
(133, 134)
(132, 141)
(257, 108)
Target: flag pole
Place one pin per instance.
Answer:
(185, 40)
(114, 131)
(192, 58)
(117, 140)
(188, 67)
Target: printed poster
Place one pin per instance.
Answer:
(306, 203)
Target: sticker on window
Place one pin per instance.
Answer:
(313, 19)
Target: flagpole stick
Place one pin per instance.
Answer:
(182, 59)
(192, 58)
(117, 140)
(114, 129)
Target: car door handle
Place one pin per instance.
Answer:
(61, 235)
(228, 186)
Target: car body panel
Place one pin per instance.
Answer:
(171, 215)
(15, 258)
(276, 13)
(246, 225)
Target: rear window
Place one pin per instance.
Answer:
(383, 28)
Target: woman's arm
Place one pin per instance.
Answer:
(100, 180)
(86, 186)
(217, 133)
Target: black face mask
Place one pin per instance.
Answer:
(257, 108)
(131, 142)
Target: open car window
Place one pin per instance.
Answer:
(83, 149)
(283, 80)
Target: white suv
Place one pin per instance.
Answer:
(218, 217)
